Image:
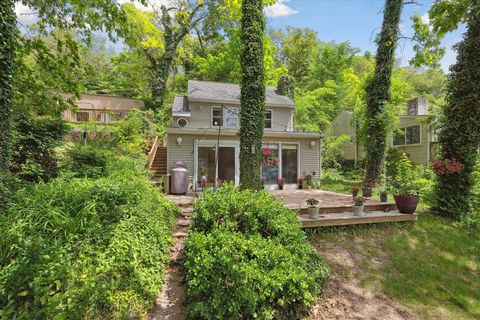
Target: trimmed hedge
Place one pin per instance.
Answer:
(85, 249)
(247, 258)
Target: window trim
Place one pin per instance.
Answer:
(271, 119)
(235, 109)
(211, 116)
(405, 142)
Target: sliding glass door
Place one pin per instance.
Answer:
(285, 163)
(289, 162)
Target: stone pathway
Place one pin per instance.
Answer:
(170, 302)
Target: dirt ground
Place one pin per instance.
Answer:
(347, 296)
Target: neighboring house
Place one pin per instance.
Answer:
(210, 112)
(413, 135)
(101, 108)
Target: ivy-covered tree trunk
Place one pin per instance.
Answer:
(252, 98)
(162, 67)
(8, 31)
(378, 92)
(459, 137)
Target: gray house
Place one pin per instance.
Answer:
(209, 114)
(413, 135)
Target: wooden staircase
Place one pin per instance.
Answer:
(159, 163)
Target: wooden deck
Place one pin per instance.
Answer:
(336, 209)
(347, 218)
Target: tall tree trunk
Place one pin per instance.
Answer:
(8, 32)
(252, 97)
(459, 137)
(378, 92)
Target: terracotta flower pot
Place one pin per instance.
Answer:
(367, 191)
(406, 204)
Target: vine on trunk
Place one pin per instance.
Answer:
(252, 97)
(8, 31)
(459, 137)
(378, 92)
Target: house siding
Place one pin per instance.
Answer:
(201, 116)
(416, 153)
(309, 157)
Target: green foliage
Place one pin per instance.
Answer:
(252, 93)
(378, 92)
(135, 131)
(35, 138)
(332, 152)
(406, 179)
(247, 258)
(81, 248)
(459, 136)
(8, 33)
(87, 161)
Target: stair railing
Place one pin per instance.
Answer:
(152, 153)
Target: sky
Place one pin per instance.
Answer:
(355, 21)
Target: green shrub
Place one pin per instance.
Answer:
(84, 249)
(87, 161)
(247, 258)
(35, 138)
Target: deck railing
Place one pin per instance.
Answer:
(152, 153)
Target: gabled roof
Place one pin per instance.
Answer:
(219, 92)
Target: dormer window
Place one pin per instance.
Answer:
(268, 119)
(225, 117)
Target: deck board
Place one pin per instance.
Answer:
(347, 218)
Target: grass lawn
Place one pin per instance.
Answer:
(432, 266)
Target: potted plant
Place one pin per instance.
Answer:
(384, 196)
(203, 173)
(281, 182)
(300, 183)
(367, 189)
(405, 186)
(358, 204)
(309, 178)
(312, 208)
(354, 191)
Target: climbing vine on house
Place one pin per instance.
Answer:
(460, 135)
(252, 96)
(378, 92)
(8, 32)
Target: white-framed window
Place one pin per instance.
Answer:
(217, 116)
(407, 136)
(225, 117)
(268, 119)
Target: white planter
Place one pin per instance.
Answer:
(358, 211)
(203, 178)
(313, 212)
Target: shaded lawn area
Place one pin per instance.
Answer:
(431, 266)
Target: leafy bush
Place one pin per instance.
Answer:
(35, 138)
(407, 179)
(135, 131)
(87, 161)
(332, 152)
(247, 258)
(84, 249)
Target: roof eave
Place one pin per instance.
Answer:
(223, 101)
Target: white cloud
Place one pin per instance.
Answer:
(279, 9)
(25, 14)
(425, 18)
